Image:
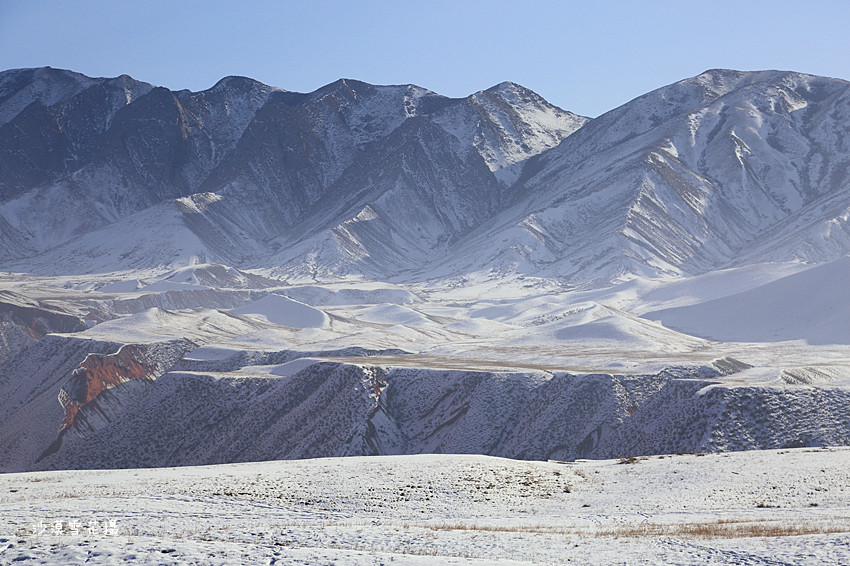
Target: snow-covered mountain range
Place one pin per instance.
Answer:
(726, 168)
(103, 174)
(247, 273)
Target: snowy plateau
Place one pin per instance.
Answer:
(373, 324)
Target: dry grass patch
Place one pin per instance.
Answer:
(732, 528)
(538, 529)
(722, 528)
(425, 361)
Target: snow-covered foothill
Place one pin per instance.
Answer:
(812, 305)
(278, 309)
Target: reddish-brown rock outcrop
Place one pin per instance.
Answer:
(99, 372)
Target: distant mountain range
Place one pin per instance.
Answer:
(722, 169)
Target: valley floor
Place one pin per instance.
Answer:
(760, 507)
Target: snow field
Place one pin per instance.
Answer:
(278, 309)
(683, 509)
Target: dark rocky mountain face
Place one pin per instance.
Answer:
(52, 123)
(101, 150)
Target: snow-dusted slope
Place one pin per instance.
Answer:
(255, 409)
(813, 305)
(726, 167)
(24, 321)
(78, 159)
(350, 178)
(379, 179)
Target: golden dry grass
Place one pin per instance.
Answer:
(733, 528)
(722, 528)
(426, 361)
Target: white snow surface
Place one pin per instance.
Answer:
(155, 325)
(519, 322)
(293, 367)
(278, 309)
(126, 286)
(813, 305)
(749, 508)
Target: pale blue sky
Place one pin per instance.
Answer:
(587, 57)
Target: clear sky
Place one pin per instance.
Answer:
(587, 57)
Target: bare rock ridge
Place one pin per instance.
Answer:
(333, 409)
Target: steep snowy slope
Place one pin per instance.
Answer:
(726, 168)
(685, 179)
(442, 172)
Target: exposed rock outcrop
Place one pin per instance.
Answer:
(342, 409)
(99, 373)
(23, 321)
(89, 397)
